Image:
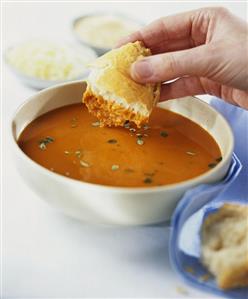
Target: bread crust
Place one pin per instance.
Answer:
(225, 245)
(113, 78)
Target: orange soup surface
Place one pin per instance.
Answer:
(170, 149)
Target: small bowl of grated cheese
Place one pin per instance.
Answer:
(43, 63)
(101, 32)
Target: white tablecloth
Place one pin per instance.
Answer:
(46, 254)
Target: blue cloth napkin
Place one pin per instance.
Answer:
(184, 247)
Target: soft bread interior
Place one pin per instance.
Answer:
(225, 245)
(111, 93)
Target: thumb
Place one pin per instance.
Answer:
(197, 61)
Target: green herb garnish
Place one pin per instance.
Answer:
(147, 181)
(163, 134)
(140, 141)
(49, 139)
(112, 141)
(115, 167)
(42, 146)
(78, 153)
(44, 142)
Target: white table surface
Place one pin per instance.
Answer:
(45, 254)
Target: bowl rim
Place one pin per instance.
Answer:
(108, 188)
(38, 80)
(99, 13)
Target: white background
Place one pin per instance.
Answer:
(46, 254)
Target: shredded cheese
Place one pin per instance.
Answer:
(104, 31)
(49, 60)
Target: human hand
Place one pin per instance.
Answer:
(206, 50)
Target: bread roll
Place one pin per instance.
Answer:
(225, 245)
(112, 95)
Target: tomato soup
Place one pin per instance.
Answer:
(169, 149)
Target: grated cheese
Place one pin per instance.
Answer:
(49, 60)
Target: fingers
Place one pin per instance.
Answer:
(200, 61)
(182, 87)
(188, 86)
(166, 31)
(136, 36)
(172, 45)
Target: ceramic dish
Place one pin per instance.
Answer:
(114, 205)
(99, 50)
(38, 83)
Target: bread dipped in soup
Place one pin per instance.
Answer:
(112, 95)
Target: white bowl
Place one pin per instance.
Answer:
(114, 205)
(99, 50)
(38, 83)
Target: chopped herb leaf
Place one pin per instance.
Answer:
(78, 153)
(218, 159)
(115, 167)
(84, 164)
(212, 165)
(43, 142)
(96, 124)
(112, 141)
(49, 139)
(147, 181)
(163, 134)
(191, 153)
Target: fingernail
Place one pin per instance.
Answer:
(142, 70)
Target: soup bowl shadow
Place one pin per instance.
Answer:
(105, 204)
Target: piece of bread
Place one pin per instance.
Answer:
(225, 245)
(111, 94)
